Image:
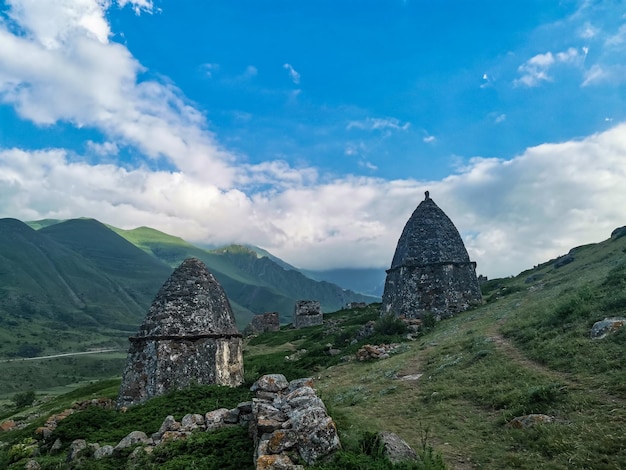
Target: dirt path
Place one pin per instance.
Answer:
(571, 381)
(38, 358)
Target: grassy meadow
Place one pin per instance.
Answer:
(449, 392)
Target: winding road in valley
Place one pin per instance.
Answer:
(38, 358)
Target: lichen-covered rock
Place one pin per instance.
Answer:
(290, 421)
(270, 383)
(103, 452)
(601, 329)
(395, 448)
(214, 420)
(76, 447)
(431, 271)
(135, 437)
(276, 462)
(189, 336)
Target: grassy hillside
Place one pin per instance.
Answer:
(462, 380)
(253, 281)
(54, 300)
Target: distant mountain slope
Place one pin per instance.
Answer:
(293, 283)
(138, 274)
(255, 282)
(52, 297)
(365, 280)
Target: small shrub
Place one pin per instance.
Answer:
(24, 399)
(390, 325)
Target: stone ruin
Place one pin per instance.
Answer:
(263, 323)
(307, 313)
(188, 336)
(431, 271)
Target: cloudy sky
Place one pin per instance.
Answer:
(312, 128)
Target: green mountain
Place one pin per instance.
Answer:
(457, 390)
(79, 284)
(53, 298)
(255, 281)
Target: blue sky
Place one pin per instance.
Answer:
(313, 128)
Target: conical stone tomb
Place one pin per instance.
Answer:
(431, 272)
(189, 336)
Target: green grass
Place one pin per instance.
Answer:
(526, 350)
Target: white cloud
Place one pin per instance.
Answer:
(514, 213)
(91, 82)
(209, 69)
(599, 74)
(535, 70)
(102, 149)
(429, 139)
(378, 124)
(295, 76)
(500, 118)
(138, 5)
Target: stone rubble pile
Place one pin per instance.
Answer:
(380, 351)
(290, 423)
(287, 421)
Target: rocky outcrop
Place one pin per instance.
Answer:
(287, 421)
(601, 329)
(373, 352)
(290, 423)
(395, 448)
(188, 336)
(431, 272)
(307, 313)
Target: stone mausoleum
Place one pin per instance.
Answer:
(431, 271)
(307, 313)
(189, 336)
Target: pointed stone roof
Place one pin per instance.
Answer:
(429, 237)
(191, 303)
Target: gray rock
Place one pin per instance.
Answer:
(32, 465)
(135, 437)
(103, 452)
(270, 383)
(431, 271)
(189, 336)
(191, 422)
(214, 420)
(601, 329)
(395, 448)
(564, 260)
(76, 447)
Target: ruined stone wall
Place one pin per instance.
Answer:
(307, 313)
(156, 366)
(263, 323)
(442, 289)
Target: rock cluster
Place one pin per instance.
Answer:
(601, 329)
(188, 336)
(290, 424)
(373, 352)
(287, 421)
(431, 271)
(307, 313)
